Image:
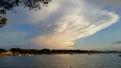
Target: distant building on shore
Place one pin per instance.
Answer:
(5, 53)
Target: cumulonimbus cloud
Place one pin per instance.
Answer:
(73, 20)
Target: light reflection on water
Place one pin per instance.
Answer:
(62, 61)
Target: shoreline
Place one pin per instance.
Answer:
(57, 54)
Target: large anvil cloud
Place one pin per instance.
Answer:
(71, 20)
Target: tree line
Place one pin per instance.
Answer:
(55, 51)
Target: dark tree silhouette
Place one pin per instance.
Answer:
(2, 21)
(9, 5)
(3, 50)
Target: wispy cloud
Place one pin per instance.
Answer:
(116, 43)
(106, 2)
(70, 21)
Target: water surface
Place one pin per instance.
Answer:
(62, 61)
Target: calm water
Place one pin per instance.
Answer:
(62, 61)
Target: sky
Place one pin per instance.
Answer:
(65, 24)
